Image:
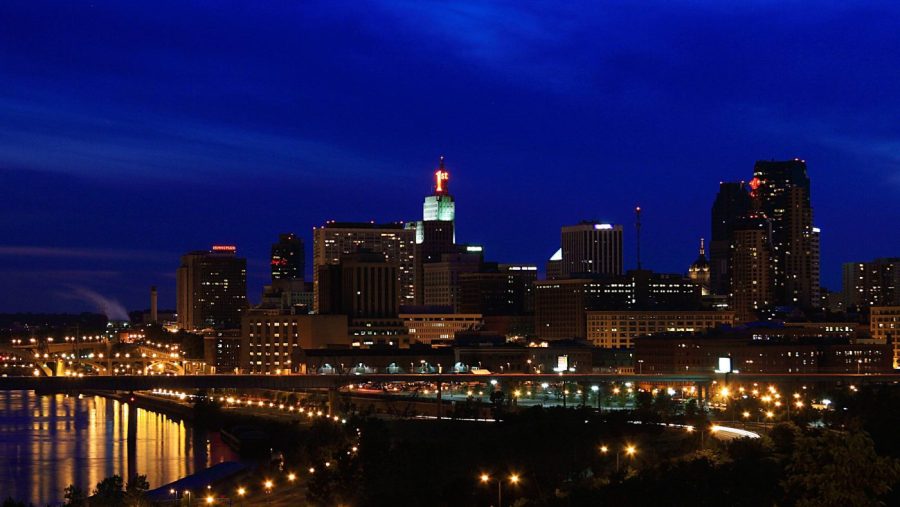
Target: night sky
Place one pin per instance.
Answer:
(132, 132)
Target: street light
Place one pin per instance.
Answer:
(513, 480)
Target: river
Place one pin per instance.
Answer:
(50, 441)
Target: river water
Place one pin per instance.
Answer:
(50, 441)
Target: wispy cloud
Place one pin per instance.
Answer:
(81, 253)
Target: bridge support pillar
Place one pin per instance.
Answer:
(332, 400)
(440, 392)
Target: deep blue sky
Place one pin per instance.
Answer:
(131, 132)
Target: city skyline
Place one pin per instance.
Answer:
(545, 121)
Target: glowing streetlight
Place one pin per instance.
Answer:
(514, 479)
(291, 477)
(210, 500)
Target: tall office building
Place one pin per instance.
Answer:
(362, 285)
(591, 248)
(752, 269)
(732, 205)
(288, 260)
(501, 289)
(442, 278)
(875, 283)
(782, 192)
(395, 242)
(212, 289)
(435, 233)
(561, 306)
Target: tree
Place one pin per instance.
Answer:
(75, 496)
(840, 470)
(10, 502)
(136, 490)
(109, 492)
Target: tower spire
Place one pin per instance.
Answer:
(441, 178)
(702, 249)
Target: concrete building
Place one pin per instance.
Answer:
(439, 329)
(759, 351)
(618, 329)
(441, 286)
(502, 289)
(361, 285)
(211, 289)
(395, 242)
(752, 270)
(269, 338)
(591, 248)
(884, 327)
(222, 351)
(561, 305)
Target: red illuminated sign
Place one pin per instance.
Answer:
(440, 176)
(224, 248)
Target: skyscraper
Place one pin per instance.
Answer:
(731, 206)
(782, 193)
(591, 248)
(288, 260)
(435, 233)
(394, 241)
(752, 269)
(212, 289)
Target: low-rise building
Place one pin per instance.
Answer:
(884, 326)
(439, 328)
(618, 329)
(269, 338)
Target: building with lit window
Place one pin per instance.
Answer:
(731, 206)
(618, 329)
(884, 327)
(591, 248)
(222, 351)
(752, 270)
(269, 338)
(759, 350)
(436, 232)
(498, 289)
(442, 278)
(875, 283)
(395, 242)
(561, 306)
(211, 289)
(439, 328)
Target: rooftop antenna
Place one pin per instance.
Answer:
(637, 226)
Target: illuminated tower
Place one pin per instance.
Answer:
(699, 271)
(435, 234)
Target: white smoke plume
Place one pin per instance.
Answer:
(109, 307)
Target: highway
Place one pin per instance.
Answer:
(288, 382)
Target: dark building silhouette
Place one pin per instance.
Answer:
(875, 283)
(731, 206)
(288, 261)
(498, 289)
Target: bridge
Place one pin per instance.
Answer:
(290, 382)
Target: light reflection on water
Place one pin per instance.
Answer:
(49, 442)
